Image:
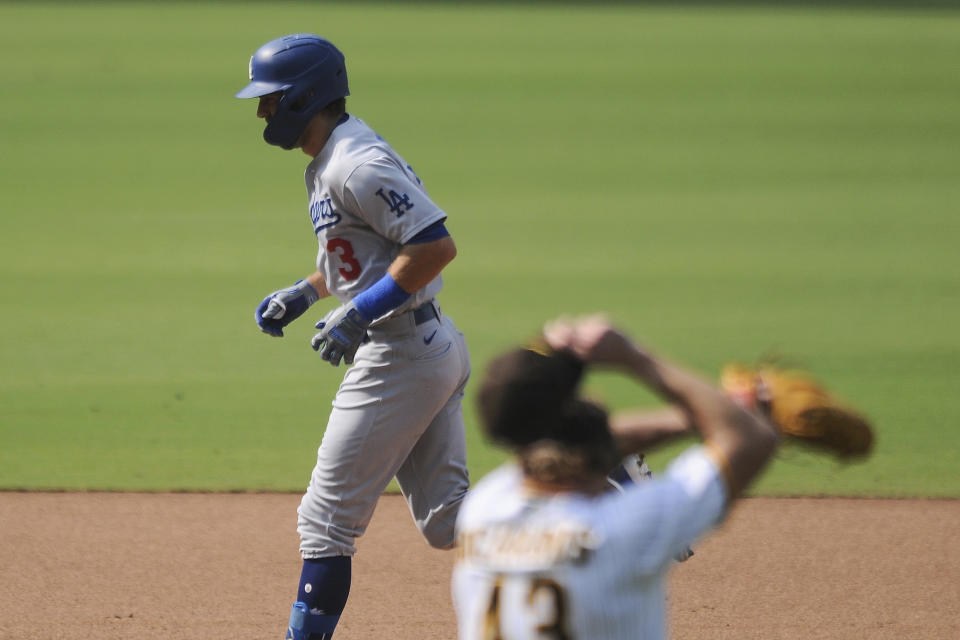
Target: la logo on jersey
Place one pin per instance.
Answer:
(322, 214)
(398, 203)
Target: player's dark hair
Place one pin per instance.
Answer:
(579, 450)
(528, 402)
(524, 393)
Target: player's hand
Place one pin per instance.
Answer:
(591, 338)
(282, 307)
(341, 333)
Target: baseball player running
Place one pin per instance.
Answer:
(545, 549)
(382, 246)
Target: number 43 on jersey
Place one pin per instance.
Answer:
(537, 602)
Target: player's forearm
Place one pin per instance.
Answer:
(640, 431)
(741, 442)
(318, 283)
(417, 264)
(702, 401)
(413, 268)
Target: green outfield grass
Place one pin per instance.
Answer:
(725, 182)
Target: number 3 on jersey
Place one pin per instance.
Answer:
(342, 248)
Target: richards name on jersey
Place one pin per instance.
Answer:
(527, 548)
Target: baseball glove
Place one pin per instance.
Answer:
(801, 408)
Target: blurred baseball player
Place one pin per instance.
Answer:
(383, 244)
(545, 549)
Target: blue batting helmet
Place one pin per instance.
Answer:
(309, 72)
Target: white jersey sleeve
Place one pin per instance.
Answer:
(664, 516)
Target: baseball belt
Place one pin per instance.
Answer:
(425, 313)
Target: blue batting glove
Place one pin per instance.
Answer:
(282, 307)
(341, 332)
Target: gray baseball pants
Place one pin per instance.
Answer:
(397, 414)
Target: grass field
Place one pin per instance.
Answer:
(725, 181)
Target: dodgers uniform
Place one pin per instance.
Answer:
(532, 566)
(398, 409)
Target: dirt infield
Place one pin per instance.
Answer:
(204, 566)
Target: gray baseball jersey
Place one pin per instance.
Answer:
(365, 203)
(398, 411)
(571, 566)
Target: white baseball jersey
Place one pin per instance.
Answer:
(365, 203)
(534, 566)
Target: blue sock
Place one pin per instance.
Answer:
(324, 586)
